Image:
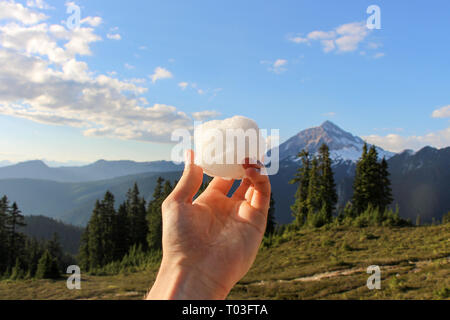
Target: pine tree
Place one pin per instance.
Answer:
(154, 214)
(47, 267)
(360, 188)
(83, 252)
(386, 194)
(15, 219)
(95, 238)
(121, 233)
(313, 201)
(54, 247)
(371, 185)
(271, 223)
(4, 249)
(137, 217)
(299, 208)
(328, 193)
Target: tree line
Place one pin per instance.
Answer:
(111, 234)
(24, 257)
(316, 196)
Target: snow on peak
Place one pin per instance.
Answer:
(343, 145)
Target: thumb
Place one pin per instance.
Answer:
(190, 181)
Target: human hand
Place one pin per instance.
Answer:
(209, 244)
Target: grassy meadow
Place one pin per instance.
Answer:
(324, 263)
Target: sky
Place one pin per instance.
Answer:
(116, 86)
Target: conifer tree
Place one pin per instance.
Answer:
(371, 185)
(299, 208)
(137, 217)
(313, 201)
(271, 223)
(121, 233)
(15, 219)
(47, 267)
(54, 247)
(386, 196)
(95, 238)
(154, 214)
(328, 193)
(4, 252)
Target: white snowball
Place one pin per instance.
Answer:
(221, 146)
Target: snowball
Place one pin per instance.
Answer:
(221, 146)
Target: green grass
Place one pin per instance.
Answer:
(326, 263)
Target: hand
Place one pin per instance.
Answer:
(209, 244)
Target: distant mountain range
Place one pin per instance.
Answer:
(420, 181)
(100, 170)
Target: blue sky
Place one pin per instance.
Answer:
(288, 65)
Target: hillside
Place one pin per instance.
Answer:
(420, 181)
(73, 202)
(100, 170)
(327, 263)
(43, 228)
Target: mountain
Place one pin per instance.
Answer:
(72, 202)
(43, 228)
(100, 170)
(420, 181)
(5, 163)
(343, 145)
(420, 184)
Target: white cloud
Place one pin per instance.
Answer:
(443, 112)
(129, 66)
(397, 143)
(160, 73)
(205, 115)
(183, 85)
(40, 4)
(92, 21)
(278, 66)
(114, 36)
(43, 79)
(10, 10)
(344, 38)
(329, 114)
(379, 55)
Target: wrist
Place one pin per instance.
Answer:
(180, 281)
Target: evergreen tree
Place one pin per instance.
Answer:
(14, 219)
(371, 185)
(121, 233)
(34, 252)
(328, 193)
(386, 195)
(137, 217)
(4, 252)
(47, 267)
(83, 252)
(299, 208)
(154, 214)
(54, 247)
(313, 201)
(271, 223)
(95, 238)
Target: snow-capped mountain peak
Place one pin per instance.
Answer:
(343, 145)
